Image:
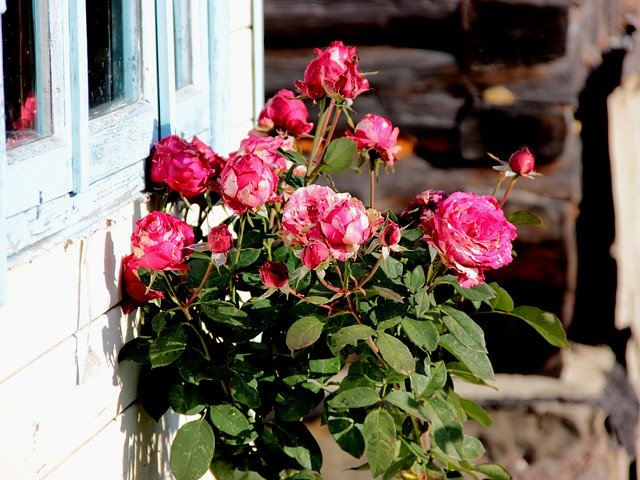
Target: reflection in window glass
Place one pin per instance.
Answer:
(19, 57)
(105, 54)
(182, 43)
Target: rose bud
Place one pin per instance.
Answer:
(422, 206)
(313, 254)
(522, 161)
(390, 235)
(220, 239)
(377, 133)
(285, 112)
(274, 274)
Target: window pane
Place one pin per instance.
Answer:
(183, 43)
(19, 60)
(105, 54)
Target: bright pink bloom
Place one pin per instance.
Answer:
(317, 213)
(522, 161)
(159, 242)
(285, 112)
(247, 182)
(345, 226)
(333, 73)
(313, 254)
(267, 149)
(181, 165)
(134, 292)
(274, 274)
(220, 239)
(302, 213)
(472, 234)
(216, 162)
(377, 133)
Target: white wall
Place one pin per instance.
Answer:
(67, 409)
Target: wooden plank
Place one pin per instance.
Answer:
(257, 25)
(241, 71)
(219, 77)
(3, 183)
(64, 397)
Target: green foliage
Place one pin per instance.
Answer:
(371, 344)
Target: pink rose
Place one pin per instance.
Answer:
(285, 112)
(274, 274)
(134, 292)
(522, 161)
(422, 206)
(345, 226)
(267, 149)
(313, 254)
(333, 73)
(247, 182)
(181, 165)
(472, 234)
(377, 133)
(302, 213)
(220, 239)
(216, 162)
(159, 242)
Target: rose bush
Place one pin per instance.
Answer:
(304, 301)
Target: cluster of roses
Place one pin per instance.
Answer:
(469, 231)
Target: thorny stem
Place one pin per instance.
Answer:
(372, 187)
(321, 131)
(371, 272)
(207, 355)
(236, 257)
(501, 178)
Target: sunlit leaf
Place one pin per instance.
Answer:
(168, 347)
(545, 323)
(395, 353)
(304, 332)
(379, 433)
(339, 155)
(422, 333)
(477, 362)
(524, 217)
(350, 335)
(192, 450)
(354, 398)
(229, 419)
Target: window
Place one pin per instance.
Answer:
(88, 86)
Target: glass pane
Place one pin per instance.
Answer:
(19, 59)
(105, 54)
(182, 43)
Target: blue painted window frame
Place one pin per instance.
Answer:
(88, 183)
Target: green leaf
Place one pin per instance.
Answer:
(406, 402)
(422, 333)
(192, 450)
(350, 335)
(475, 411)
(545, 323)
(248, 257)
(477, 362)
(423, 301)
(168, 347)
(445, 428)
(304, 332)
(244, 391)
(296, 441)
(437, 380)
(135, 350)
(159, 322)
(493, 471)
(185, 399)
(355, 398)
(229, 419)
(347, 435)
(392, 268)
(502, 301)
(339, 155)
(466, 331)
(479, 293)
(415, 279)
(379, 433)
(325, 366)
(395, 353)
(472, 448)
(388, 293)
(225, 313)
(524, 217)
